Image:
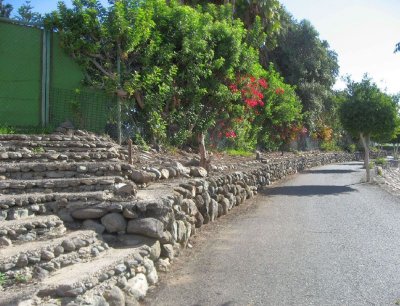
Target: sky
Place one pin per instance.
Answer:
(362, 32)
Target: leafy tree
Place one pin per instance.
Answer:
(369, 113)
(396, 143)
(26, 13)
(5, 9)
(306, 61)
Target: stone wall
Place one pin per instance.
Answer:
(173, 218)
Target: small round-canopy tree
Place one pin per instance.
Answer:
(369, 113)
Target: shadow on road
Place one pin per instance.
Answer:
(307, 190)
(329, 171)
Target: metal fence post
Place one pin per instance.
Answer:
(130, 161)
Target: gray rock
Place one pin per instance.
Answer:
(151, 272)
(142, 177)
(114, 296)
(58, 250)
(137, 286)
(47, 255)
(5, 242)
(22, 261)
(93, 225)
(148, 227)
(125, 188)
(114, 223)
(129, 213)
(198, 172)
(40, 273)
(163, 265)
(167, 251)
(68, 245)
(164, 173)
(89, 213)
(155, 250)
(156, 172)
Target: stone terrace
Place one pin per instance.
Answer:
(78, 223)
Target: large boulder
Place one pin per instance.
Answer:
(142, 177)
(114, 296)
(114, 223)
(137, 286)
(149, 227)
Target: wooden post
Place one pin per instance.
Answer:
(130, 161)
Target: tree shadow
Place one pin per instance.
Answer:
(330, 171)
(360, 163)
(307, 190)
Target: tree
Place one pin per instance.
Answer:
(369, 113)
(306, 61)
(26, 13)
(396, 143)
(5, 9)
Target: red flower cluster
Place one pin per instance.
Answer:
(233, 88)
(230, 134)
(251, 91)
(279, 91)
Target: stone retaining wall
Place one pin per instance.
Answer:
(174, 217)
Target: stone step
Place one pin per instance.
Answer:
(52, 155)
(16, 206)
(54, 137)
(40, 170)
(27, 199)
(75, 280)
(29, 229)
(111, 267)
(47, 185)
(43, 144)
(37, 259)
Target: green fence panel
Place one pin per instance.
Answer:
(69, 99)
(20, 75)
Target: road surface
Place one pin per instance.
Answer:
(319, 238)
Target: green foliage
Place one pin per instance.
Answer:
(368, 111)
(306, 61)
(239, 152)
(281, 111)
(141, 142)
(5, 9)
(6, 130)
(380, 161)
(3, 278)
(351, 148)
(26, 13)
(21, 278)
(329, 146)
(177, 64)
(38, 150)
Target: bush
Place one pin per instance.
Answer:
(239, 152)
(329, 146)
(381, 161)
(5, 130)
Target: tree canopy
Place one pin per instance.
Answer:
(369, 113)
(5, 9)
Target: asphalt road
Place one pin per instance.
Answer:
(319, 238)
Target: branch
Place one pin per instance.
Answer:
(98, 66)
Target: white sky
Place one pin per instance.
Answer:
(362, 32)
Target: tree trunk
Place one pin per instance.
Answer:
(202, 151)
(395, 150)
(365, 142)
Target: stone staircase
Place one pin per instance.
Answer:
(81, 226)
(62, 198)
